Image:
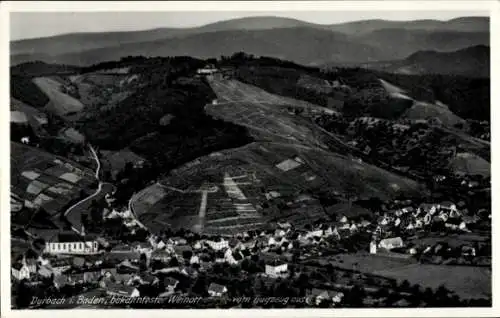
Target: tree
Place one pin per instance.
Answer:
(143, 262)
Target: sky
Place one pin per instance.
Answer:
(25, 25)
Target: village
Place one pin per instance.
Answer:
(220, 268)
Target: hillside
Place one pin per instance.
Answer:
(464, 24)
(472, 62)
(400, 43)
(241, 177)
(78, 42)
(302, 45)
(270, 36)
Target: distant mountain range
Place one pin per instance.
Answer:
(472, 61)
(299, 41)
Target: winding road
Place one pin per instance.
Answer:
(73, 213)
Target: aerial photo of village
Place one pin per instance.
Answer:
(250, 162)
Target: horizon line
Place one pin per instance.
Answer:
(235, 19)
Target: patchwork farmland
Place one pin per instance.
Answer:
(41, 179)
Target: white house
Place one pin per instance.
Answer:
(194, 260)
(216, 290)
(228, 256)
(218, 245)
(314, 233)
(122, 290)
(71, 243)
(276, 268)
(448, 206)
(373, 247)
(197, 245)
(20, 271)
(207, 70)
(391, 243)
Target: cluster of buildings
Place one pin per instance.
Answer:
(121, 270)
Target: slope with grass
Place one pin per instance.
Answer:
(59, 103)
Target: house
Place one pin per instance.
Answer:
(78, 262)
(177, 241)
(72, 243)
(20, 271)
(108, 272)
(121, 290)
(127, 266)
(353, 228)
(279, 233)
(284, 225)
(468, 251)
(170, 284)
(314, 233)
(390, 243)
(148, 279)
(161, 255)
(45, 271)
(90, 276)
(448, 206)
(427, 208)
(197, 245)
(218, 244)
(276, 241)
(373, 247)
(276, 268)
(207, 70)
(189, 271)
(319, 295)
(76, 278)
(216, 290)
(179, 251)
(59, 266)
(194, 260)
(220, 257)
(61, 281)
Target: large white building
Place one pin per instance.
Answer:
(71, 243)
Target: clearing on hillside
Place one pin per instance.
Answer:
(422, 110)
(59, 103)
(468, 163)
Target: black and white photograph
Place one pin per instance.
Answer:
(248, 159)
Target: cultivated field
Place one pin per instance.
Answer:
(238, 183)
(265, 114)
(466, 281)
(42, 179)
